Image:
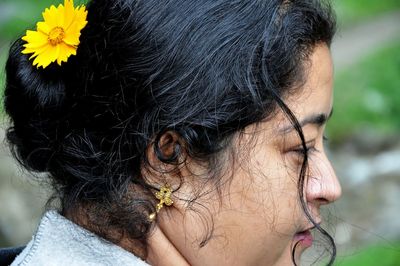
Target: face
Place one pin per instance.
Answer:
(260, 218)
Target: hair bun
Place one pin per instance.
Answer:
(33, 98)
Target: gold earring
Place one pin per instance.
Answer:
(164, 195)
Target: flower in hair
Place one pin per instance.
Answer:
(57, 37)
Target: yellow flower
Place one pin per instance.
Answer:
(57, 37)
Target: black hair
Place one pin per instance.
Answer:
(203, 69)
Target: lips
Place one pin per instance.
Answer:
(304, 238)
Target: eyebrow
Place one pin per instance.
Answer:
(315, 119)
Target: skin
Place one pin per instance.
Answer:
(258, 212)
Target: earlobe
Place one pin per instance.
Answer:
(164, 196)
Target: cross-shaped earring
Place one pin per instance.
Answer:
(164, 195)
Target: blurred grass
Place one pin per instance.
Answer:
(355, 11)
(17, 16)
(367, 96)
(372, 256)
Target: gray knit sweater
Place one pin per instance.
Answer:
(58, 241)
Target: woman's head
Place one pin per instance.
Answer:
(184, 92)
(260, 218)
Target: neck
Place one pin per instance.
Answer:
(160, 250)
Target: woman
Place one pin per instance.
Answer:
(176, 132)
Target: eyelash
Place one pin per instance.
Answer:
(309, 149)
(301, 150)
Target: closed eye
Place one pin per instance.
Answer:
(310, 147)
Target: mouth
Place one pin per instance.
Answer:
(304, 238)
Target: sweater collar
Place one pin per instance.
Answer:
(59, 241)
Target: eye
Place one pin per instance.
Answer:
(299, 150)
(309, 149)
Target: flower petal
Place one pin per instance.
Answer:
(69, 13)
(34, 39)
(42, 59)
(48, 56)
(38, 51)
(81, 14)
(72, 35)
(50, 16)
(35, 50)
(79, 22)
(60, 16)
(43, 27)
(65, 52)
(55, 52)
(73, 32)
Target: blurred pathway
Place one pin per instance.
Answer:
(352, 44)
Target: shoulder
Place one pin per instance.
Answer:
(59, 241)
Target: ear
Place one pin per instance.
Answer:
(168, 147)
(163, 156)
(167, 162)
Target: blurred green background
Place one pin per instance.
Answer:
(364, 133)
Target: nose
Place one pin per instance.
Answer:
(323, 186)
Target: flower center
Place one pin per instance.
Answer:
(56, 35)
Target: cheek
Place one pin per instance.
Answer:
(268, 189)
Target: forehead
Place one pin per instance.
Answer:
(316, 94)
(315, 97)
